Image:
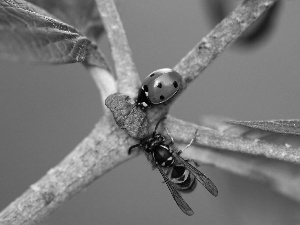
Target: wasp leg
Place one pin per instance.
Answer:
(132, 147)
(157, 124)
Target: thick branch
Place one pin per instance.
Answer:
(128, 80)
(105, 148)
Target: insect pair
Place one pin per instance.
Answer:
(178, 174)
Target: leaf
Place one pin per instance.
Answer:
(291, 127)
(29, 33)
(80, 14)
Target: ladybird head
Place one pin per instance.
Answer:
(142, 99)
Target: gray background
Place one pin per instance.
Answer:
(47, 110)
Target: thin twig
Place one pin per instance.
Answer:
(213, 44)
(128, 80)
(183, 132)
(105, 82)
(284, 177)
(224, 34)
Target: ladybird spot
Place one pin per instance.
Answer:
(175, 84)
(152, 74)
(161, 97)
(145, 88)
(159, 85)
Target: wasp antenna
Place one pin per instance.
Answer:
(191, 142)
(196, 133)
(158, 124)
(186, 147)
(168, 133)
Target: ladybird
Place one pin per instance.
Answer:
(158, 87)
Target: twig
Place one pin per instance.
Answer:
(183, 132)
(224, 34)
(104, 81)
(128, 80)
(106, 146)
(285, 177)
(278, 164)
(213, 44)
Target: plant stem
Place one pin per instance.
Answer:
(107, 145)
(224, 34)
(128, 79)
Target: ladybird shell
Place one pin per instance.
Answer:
(128, 116)
(161, 85)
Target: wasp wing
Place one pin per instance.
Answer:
(204, 180)
(177, 197)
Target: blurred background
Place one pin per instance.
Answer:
(47, 110)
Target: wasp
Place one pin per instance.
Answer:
(178, 174)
